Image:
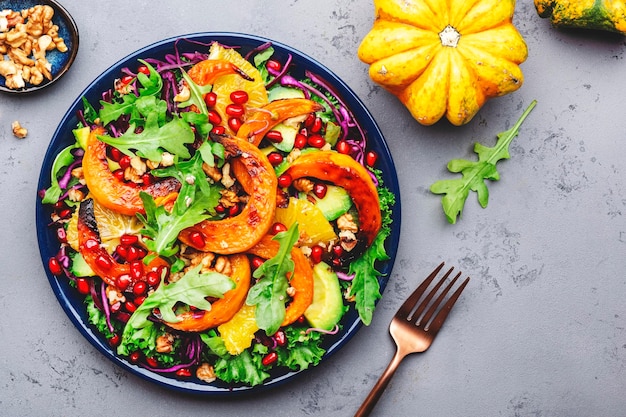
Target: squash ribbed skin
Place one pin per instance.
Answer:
(607, 15)
(444, 57)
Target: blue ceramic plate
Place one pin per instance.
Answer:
(61, 62)
(48, 243)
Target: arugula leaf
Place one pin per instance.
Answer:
(171, 136)
(64, 159)
(192, 289)
(259, 62)
(195, 197)
(269, 294)
(150, 85)
(196, 96)
(474, 174)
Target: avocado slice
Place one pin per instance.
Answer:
(335, 203)
(79, 267)
(327, 307)
(81, 135)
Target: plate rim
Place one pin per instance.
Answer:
(43, 233)
(72, 28)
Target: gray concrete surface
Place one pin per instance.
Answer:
(540, 331)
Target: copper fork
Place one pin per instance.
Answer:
(413, 327)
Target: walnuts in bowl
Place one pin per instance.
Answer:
(26, 37)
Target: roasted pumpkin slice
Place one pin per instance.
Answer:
(223, 309)
(444, 58)
(112, 192)
(241, 232)
(343, 171)
(301, 280)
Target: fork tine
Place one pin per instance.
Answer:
(411, 301)
(435, 305)
(437, 322)
(416, 317)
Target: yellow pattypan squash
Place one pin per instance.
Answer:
(444, 57)
(609, 15)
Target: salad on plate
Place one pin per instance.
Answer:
(219, 215)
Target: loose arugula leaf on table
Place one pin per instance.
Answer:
(192, 289)
(195, 199)
(269, 294)
(474, 173)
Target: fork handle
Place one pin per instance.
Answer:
(374, 395)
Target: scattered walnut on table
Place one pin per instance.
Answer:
(18, 131)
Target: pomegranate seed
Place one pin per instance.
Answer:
(197, 239)
(218, 130)
(274, 65)
(55, 266)
(269, 359)
(219, 209)
(239, 97)
(122, 251)
(116, 307)
(82, 285)
(59, 205)
(275, 158)
(316, 141)
(277, 228)
(152, 362)
(114, 340)
(130, 307)
(132, 254)
(281, 338)
(127, 79)
(301, 320)
(115, 154)
(140, 288)
(141, 252)
(147, 179)
(284, 180)
(210, 99)
(235, 110)
(143, 69)
(234, 210)
(153, 278)
(300, 141)
(128, 240)
(274, 136)
(104, 262)
(124, 162)
(135, 356)
(234, 123)
(122, 282)
(316, 254)
(139, 300)
(119, 174)
(257, 261)
(320, 189)
(136, 269)
(316, 127)
(337, 250)
(183, 373)
(370, 158)
(343, 147)
(214, 117)
(65, 214)
(310, 119)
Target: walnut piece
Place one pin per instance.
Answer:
(18, 131)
